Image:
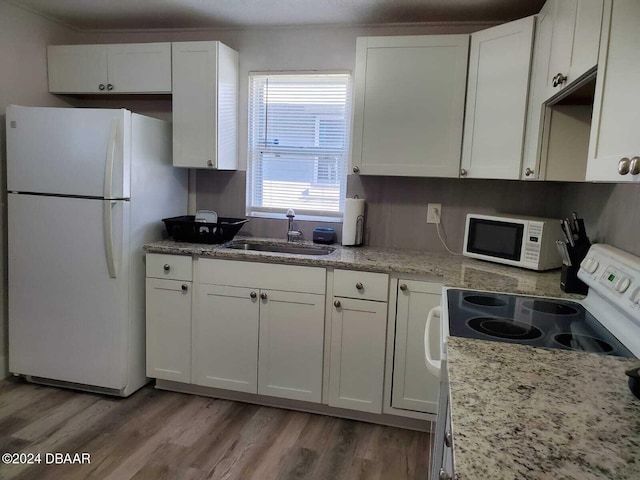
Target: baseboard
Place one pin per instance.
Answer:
(381, 419)
(4, 372)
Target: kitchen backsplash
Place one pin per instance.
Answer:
(396, 206)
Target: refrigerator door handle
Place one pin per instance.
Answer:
(107, 228)
(111, 153)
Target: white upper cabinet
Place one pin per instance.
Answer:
(120, 68)
(499, 69)
(575, 43)
(205, 105)
(567, 43)
(615, 136)
(409, 105)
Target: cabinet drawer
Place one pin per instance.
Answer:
(373, 286)
(173, 267)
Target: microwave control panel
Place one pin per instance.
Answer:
(532, 235)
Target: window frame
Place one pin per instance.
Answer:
(312, 215)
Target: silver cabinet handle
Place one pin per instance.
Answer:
(336, 304)
(166, 267)
(359, 286)
(356, 169)
(463, 172)
(101, 87)
(253, 294)
(263, 296)
(443, 475)
(447, 439)
(624, 166)
(634, 166)
(528, 172)
(403, 287)
(109, 87)
(209, 163)
(559, 79)
(185, 287)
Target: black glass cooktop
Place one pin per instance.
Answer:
(531, 321)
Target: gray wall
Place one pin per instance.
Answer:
(23, 81)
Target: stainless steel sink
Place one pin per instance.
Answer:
(280, 248)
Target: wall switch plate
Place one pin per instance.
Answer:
(434, 212)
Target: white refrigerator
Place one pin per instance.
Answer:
(86, 189)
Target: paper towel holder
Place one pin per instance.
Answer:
(359, 230)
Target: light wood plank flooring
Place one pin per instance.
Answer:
(164, 435)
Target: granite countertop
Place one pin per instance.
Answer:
(527, 413)
(453, 270)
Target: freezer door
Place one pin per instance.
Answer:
(68, 316)
(68, 151)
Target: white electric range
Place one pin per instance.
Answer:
(607, 322)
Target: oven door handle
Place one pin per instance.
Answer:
(432, 365)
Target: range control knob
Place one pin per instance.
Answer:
(623, 284)
(635, 296)
(590, 265)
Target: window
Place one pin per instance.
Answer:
(298, 144)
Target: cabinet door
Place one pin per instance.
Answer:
(499, 69)
(225, 338)
(358, 333)
(409, 105)
(205, 89)
(291, 345)
(139, 68)
(168, 310)
(576, 40)
(616, 111)
(77, 68)
(414, 387)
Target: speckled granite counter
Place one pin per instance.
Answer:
(530, 413)
(454, 271)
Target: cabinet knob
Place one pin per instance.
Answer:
(559, 79)
(359, 286)
(403, 287)
(634, 166)
(101, 87)
(336, 304)
(185, 287)
(463, 172)
(109, 87)
(443, 475)
(624, 166)
(209, 163)
(356, 169)
(166, 267)
(528, 172)
(253, 294)
(263, 296)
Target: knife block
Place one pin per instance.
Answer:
(569, 281)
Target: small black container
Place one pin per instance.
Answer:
(186, 229)
(569, 281)
(324, 235)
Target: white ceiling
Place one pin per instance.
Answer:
(154, 14)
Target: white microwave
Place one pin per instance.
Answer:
(527, 242)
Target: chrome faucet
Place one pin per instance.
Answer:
(292, 234)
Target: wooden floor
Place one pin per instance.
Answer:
(164, 435)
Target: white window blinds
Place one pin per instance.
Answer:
(298, 143)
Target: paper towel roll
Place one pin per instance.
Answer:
(353, 209)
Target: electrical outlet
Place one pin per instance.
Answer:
(434, 212)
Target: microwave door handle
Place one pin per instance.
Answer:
(432, 365)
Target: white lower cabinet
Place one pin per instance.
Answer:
(168, 317)
(291, 345)
(225, 337)
(168, 329)
(358, 335)
(414, 387)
